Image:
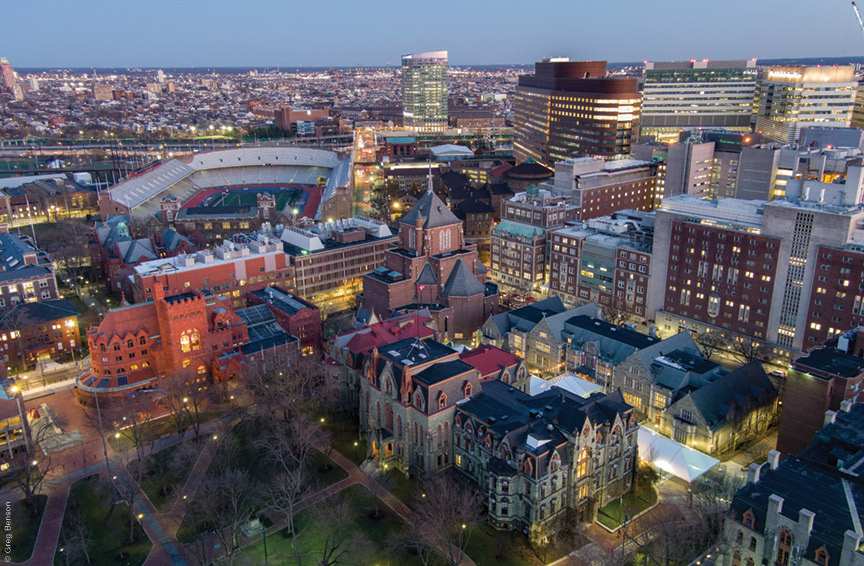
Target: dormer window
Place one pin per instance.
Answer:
(822, 556)
(469, 389)
(442, 401)
(748, 520)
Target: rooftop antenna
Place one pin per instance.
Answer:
(429, 178)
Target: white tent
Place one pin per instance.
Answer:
(673, 457)
(566, 381)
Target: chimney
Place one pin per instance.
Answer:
(846, 405)
(753, 473)
(773, 459)
(775, 506)
(851, 541)
(830, 417)
(652, 331)
(805, 519)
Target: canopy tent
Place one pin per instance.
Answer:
(673, 457)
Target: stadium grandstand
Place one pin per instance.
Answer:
(303, 183)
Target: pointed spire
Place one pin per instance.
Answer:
(429, 178)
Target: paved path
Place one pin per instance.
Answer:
(49, 530)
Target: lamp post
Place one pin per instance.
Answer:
(264, 537)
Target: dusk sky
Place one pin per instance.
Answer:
(198, 33)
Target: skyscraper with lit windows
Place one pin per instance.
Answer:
(573, 109)
(424, 90)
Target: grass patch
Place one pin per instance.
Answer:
(633, 503)
(403, 488)
(25, 527)
(311, 538)
(153, 429)
(107, 524)
(163, 472)
(507, 548)
(344, 433)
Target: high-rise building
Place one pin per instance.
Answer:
(572, 109)
(424, 90)
(7, 75)
(696, 94)
(752, 268)
(790, 98)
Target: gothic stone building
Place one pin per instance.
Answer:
(536, 458)
(408, 395)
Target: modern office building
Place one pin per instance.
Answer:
(7, 75)
(424, 90)
(572, 109)
(791, 98)
(696, 94)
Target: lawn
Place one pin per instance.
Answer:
(164, 469)
(630, 505)
(344, 436)
(506, 548)
(25, 527)
(123, 441)
(239, 452)
(310, 539)
(107, 525)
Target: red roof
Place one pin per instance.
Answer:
(389, 331)
(488, 359)
(121, 320)
(498, 171)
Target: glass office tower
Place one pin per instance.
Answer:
(424, 91)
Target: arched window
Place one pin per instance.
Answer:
(421, 436)
(469, 389)
(505, 453)
(185, 343)
(130, 343)
(142, 340)
(187, 363)
(748, 520)
(442, 401)
(527, 467)
(555, 463)
(412, 239)
(133, 367)
(378, 412)
(582, 463)
(416, 435)
(446, 434)
(202, 370)
(196, 340)
(388, 417)
(784, 547)
(440, 436)
(399, 426)
(102, 347)
(367, 402)
(145, 364)
(736, 558)
(822, 556)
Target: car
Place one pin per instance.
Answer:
(530, 299)
(777, 373)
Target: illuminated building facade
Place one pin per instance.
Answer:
(696, 94)
(572, 109)
(7, 75)
(791, 98)
(424, 91)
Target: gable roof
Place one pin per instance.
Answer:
(22, 315)
(432, 211)
(714, 400)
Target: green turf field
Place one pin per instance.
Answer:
(284, 197)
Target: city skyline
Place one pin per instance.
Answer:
(198, 34)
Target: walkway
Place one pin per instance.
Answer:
(49, 530)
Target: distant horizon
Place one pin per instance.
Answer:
(850, 59)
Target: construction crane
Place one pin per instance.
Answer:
(858, 15)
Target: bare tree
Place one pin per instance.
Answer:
(746, 349)
(187, 401)
(284, 387)
(226, 501)
(338, 542)
(615, 314)
(76, 538)
(445, 518)
(711, 343)
(285, 491)
(67, 244)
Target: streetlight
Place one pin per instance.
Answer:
(264, 536)
(355, 449)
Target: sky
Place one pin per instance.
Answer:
(343, 33)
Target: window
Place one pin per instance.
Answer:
(784, 547)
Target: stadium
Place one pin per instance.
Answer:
(243, 187)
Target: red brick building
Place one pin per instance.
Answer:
(238, 266)
(33, 331)
(286, 117)
(837, 293)
(433, 268)
(193, 334)
(298, 317)
(114, 253)
(825, 379)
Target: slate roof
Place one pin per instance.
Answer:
(462, 283)
(517, 229)
(615, 343)
(454, 180)
(133, 251)
(813, 480)
(472, 206)
(527, 316)
(13, 248)
(427, 276)
(432, 211)
(714, 400)
(22, 315)
(285, 302)
(441, 371)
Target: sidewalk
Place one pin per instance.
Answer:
(49, 530)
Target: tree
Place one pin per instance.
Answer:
(711, 343)
(187, 401)
(338, 543)
(284, 491)
(746, 349)
(76, 538)
(615, 314)
(35, 467)
(445, 518)
(67, 243)
(226, 501)
(286, 386)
